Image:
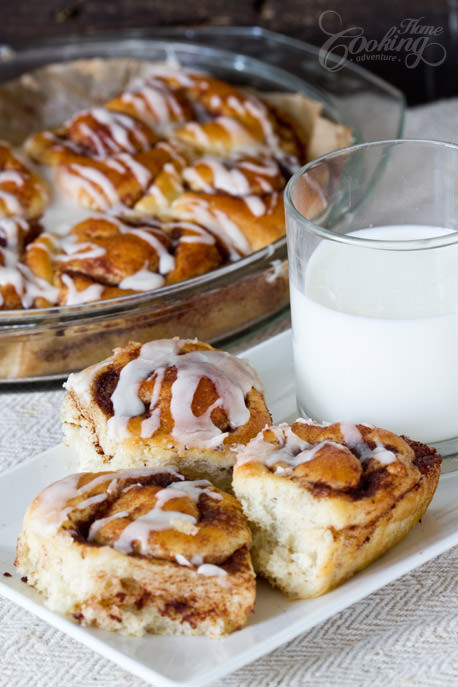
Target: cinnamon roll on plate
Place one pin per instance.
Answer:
(170, 402)
(324, 501)
(139, 551)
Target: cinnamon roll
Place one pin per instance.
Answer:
(232, 119)
(153, 103)
(139, 551)
(22, 192)
(324, 501)
(105, 257)
(173, 402)
(20, 288)
(241, 176)
(116, 181)
(98, 132)
(245, 223)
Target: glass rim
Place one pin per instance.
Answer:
(447, 239)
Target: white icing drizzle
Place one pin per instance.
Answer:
(206, 569)
(232, 181)
(143, 280)
(199, 234)
(154, 102)
(166, 260)
(140, 172)
(172, 70)
(121, 127)
(93, 182)
(12, 176)
(172, 151)
(159, 196)
(11, 202)
(81, 382)
(210, 570)
(217, 221)
(96, 141)
(51, 506)
(351, 434)
(182, 560)
(215, 101)
(236, 105)
(255, 205)
(259, 111)
(239, 134)
(27, 286)
(62, 212)
(293, 450)
(152, 423)
(265, 167)
(81, 250)
(10, 228)
(158, 519)
(97, 524)
(380, 453)
(231, 376)
(96, 498)
(198, 133)
(354, 440)
(74, 297)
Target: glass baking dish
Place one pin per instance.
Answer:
(51, 342)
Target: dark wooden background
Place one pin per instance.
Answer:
(31, 20)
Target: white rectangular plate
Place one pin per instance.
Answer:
(194, 662)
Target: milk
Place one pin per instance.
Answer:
(375, 334)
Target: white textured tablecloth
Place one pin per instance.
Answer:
(404, 635)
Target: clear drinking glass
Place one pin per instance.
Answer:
(373, 259)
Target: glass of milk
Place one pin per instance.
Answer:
(373, 256)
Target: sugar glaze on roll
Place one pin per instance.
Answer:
(140, 550)
(324, 501)
(177, 402)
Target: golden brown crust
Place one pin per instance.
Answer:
(243, 175)
(375, 473)
(153, 103)
(150, 552)
(99, 184)
(357, 491)
(258, 219)
(22, 191)
(194, 404)
(108, 257)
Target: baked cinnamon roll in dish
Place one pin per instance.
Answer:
(324, 501)
(140, 551)
(175, 157)
(153, 103)
(22, 192)
(174, 145)
(98, 132)
(116, 183)
(19, 286)
(170, 402)
(247, 223)
(106, 257)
